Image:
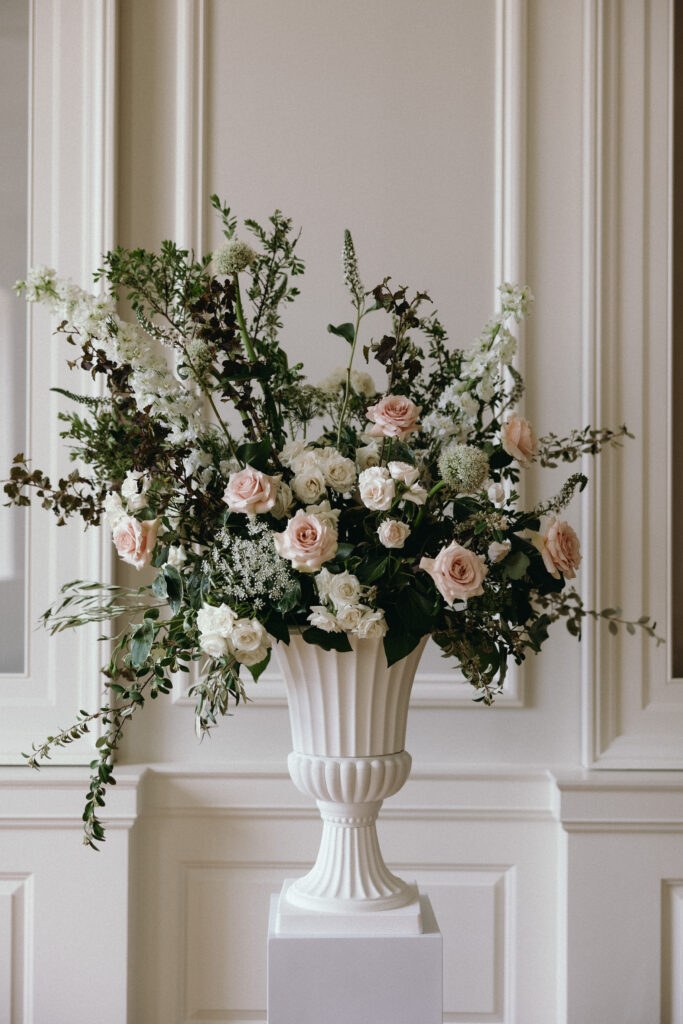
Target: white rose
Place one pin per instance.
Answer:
(393, 533)
(498, 550)
(308, 483)
(248, 635)
(343, 589)
(496, 493)
(213, 644)
(177, 556)
(254, 657)
(350, 616)
(368, 456)
(403, 472)
(291, 452)
(417, 494)
(372, 625)
(216, 619)
(283, 501)
(134, 490)
(322, 618)
(339, 473)
(326, 514)
(377, 489)
(322, 583)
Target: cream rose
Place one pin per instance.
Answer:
(292, 451)
(251, 491)
(393, 416)
(368, 456)
(339, 473)
(377, 489)
(342, 589)
(252, 657)
(307, 542)
(372, 625)
(322, 618)
(219, 619)
(393, 533)
(518, 439)
(560, 551)
(283, 501)
(325, 512)
(308, 483)
(457, 572)
(415, 493)
(403, 472)
(248, 635)
(349, 616)
(134, 540)
(498, 550)
(215, 645)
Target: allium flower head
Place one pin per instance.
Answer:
(233, 257)
(464, 468)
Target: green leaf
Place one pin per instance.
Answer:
(515, 565)
(255, 453)
(328, 641)
(398, 644)
(174, 588)
(346, 331)
(159, 586)
(256, 670)
(613, 628)
(290, 598)
(344, 550)
(371, 568)
(141, 644)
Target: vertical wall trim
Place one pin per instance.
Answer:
(190, 199)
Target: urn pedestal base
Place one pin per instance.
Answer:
(356, 978)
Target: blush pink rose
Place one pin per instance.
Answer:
(518, 439)
(251, 491)
(457, 572)
(393, 416)
(307, 542)
(135, 541)
(560, 550)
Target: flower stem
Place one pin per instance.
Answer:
(347, 389)
(248, 347)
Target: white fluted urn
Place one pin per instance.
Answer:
(348, 714)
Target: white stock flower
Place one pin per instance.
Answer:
(343, 589)
(218, 619)
(439, 425)
(134, 490)
(368, 456)
(308, 483)
(113, 509)
(393, 533)
(403, 472)
(322, 618)
(377, 489)
(498, 550)
(372, 625)
(177, 556)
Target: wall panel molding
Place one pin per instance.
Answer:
(16, 942)
(71, 185)
(632, 709)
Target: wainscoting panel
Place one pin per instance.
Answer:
(16, 945)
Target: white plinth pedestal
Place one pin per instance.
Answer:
(355, 979)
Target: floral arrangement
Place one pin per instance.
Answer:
(267, 503)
